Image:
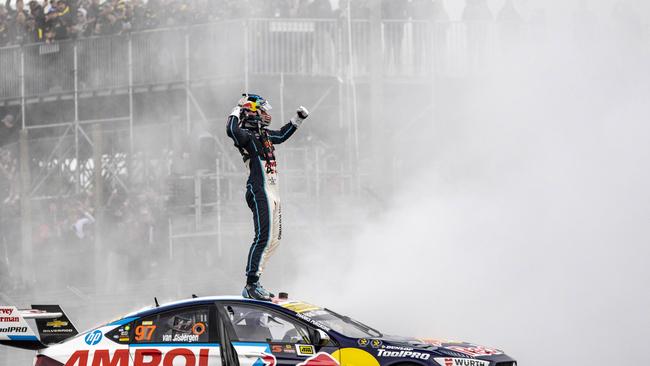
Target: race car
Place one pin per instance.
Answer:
(230, 331)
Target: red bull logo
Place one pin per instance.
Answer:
(266, 360)
(320, 359)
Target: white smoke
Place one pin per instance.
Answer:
(521, 220)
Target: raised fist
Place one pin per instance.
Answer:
(302, 112)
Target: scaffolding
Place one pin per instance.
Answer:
(84, 102)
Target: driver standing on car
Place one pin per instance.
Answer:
(248, 127)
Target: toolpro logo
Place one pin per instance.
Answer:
(94, 337)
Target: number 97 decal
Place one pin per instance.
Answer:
(144, 332)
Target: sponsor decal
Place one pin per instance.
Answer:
(475, 351)
(300, 307)
(313, 322)
(376, 343)
(14, 330)
(142, 357)
(315, 313)
(120, 335)
(320, 359)
(198, 328)
(144, 332)
(93, 337)
(448, 361)
(399, 348)
(283, 348)
(180, 338)
(363, 342)
(403, 354)
(57, 323)
(7, 318)
(305, 350)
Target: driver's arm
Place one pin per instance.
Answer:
(240, 136)
(278, 137)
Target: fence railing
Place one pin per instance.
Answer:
(309, 47)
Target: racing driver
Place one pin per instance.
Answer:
(248, 127)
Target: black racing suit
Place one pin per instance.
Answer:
(262, 189)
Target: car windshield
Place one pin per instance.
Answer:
(342, 324)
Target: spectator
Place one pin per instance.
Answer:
(358, 9)
(321, 9)
(476, 10)
(82, 27)
(509, 14)
(93, 9)
(439, 12)
(396, 11)
(107, 22)
(277, 8)
(8, 130)
(441, 27)
(422, 12)
(38, 18)
(80, 225)
(510, 23)
(59, 19)
(477, 15)
(20, 24)
(421, 9)
(8, 174)
(325, 36)
(5, 28)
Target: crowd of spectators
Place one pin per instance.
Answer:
(49, 20)
(9, 180)
(30, 21)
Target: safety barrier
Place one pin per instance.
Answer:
(10, 61)
(103, 62)
(292, 46)
(309, 47)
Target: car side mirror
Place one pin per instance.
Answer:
(322, 338)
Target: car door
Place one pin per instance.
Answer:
(179, 337)
(261, 336)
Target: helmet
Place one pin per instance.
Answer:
(255, 110)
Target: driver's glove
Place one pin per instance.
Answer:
(301, 114)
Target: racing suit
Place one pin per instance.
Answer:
(262, 187)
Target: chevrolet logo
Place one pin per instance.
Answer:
(57, 324)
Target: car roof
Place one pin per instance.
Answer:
(185, 302)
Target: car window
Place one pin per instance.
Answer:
(256, 324)
(188, 325)
(121, 334)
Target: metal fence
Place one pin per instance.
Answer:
(236, 49)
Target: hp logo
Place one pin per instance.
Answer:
(93, 338)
